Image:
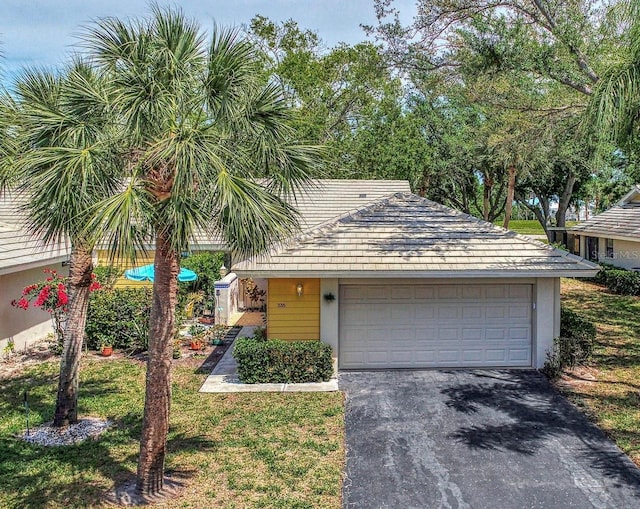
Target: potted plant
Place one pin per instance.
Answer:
(196, 332)
(177, 350)
(195, 343)
(106, 348)
(216, 334)
(208, 313)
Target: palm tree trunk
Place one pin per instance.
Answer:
(155, 426)
(79, 281)
(510, 193)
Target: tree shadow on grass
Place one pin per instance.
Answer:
(79, 475)
(73, 476)
(526, 414)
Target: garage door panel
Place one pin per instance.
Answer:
(426, 334)
(448, 357)
(496, 292)
(424, 292)
(448, 334)
(448, 292)
(402, 313)
(497, 356)
(475, 334)
(496, 312)
(472, 292)
(475, 356)
(522, 311)
(402, 293)
(411, 325)
(472, 313)
(519, 334)
(425, 313)
(520, 292)
(448, 312)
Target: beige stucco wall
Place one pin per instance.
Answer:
(329, 330)
(25, 326)
(626, 254)
(546, 318)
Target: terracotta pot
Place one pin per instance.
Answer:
(106, 351)
(195, 344)
(207, 319)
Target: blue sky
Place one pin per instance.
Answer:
(41, 32)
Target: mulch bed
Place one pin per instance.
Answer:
(206, 359)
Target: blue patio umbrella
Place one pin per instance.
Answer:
(146, 273)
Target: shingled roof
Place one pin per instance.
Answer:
(404, 235)
(323, 199)
(619, 222)
(20, 249)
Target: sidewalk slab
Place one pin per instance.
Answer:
(330, 386)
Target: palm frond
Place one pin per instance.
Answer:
(121, 222)
(250, 218)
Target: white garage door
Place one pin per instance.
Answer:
(410, 326)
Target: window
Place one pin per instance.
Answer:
(609, 248)
(592, 249)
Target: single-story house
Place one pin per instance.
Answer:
(403, 282)
(23, 259)
(613, 236)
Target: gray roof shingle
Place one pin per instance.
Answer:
(20, 249)
(405, 235)
(621, 221)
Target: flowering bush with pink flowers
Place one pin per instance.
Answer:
(51, 296)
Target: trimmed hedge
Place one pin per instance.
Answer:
(575, 344)
(618, 280)
(278, 361)
(119, 317)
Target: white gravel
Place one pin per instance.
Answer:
(48, 436)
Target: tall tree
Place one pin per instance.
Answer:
(200, 125)
(537, 62)
(63, 165)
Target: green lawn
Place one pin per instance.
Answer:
(269, 450)
(528, 227)
(609, 389)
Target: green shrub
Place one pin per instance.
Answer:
(574, 346)
(277, 361)
(260, 334)
(618, 280)
(107, 275)
(207, 266)
(119, 317)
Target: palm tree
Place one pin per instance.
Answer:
(614, 107)
(62, 164)
(199, 128)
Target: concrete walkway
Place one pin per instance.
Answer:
(224, 377)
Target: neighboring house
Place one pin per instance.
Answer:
(613, 236)
(22, 260)
(403, 282)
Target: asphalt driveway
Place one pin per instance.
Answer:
(476, 439)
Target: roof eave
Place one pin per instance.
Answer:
(474, 274)
(604, 234)
(19, 267)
